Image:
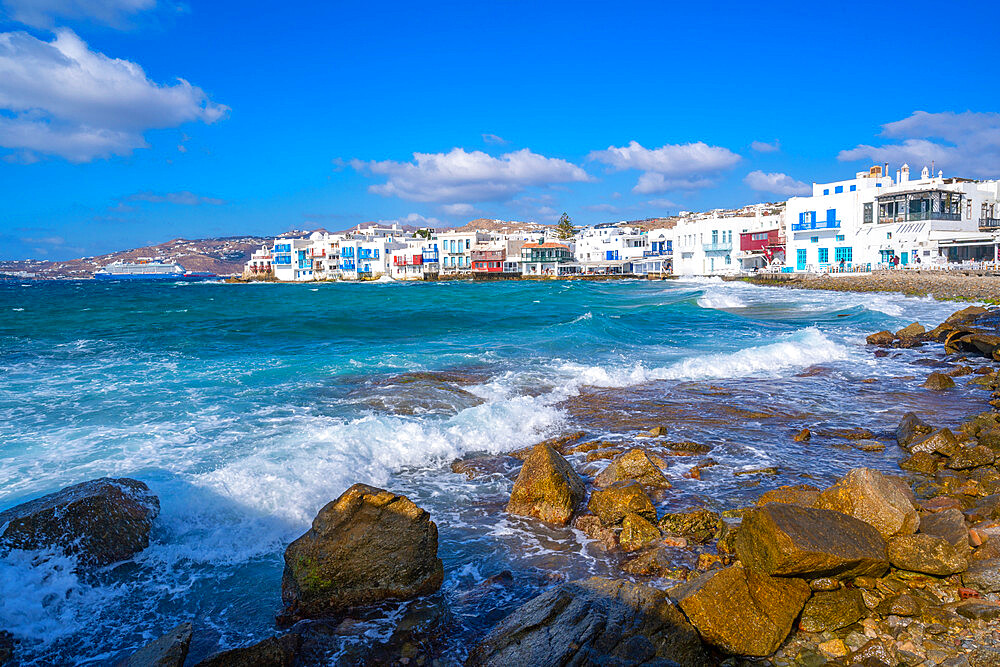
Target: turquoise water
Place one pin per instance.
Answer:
(246, 408)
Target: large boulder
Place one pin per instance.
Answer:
(912, 428)
(983, 576)
(547, 487)
(791, 541)
(832, 610)
(966, 315)
(280, 651)
(800, 494)
(612, 504)
(927, 554)
(948, 524)
(596, 621)
(101, 521)
(637, 532)
(698, 525)
(869, 495)
(368, 545)
(740, 610)
(941, 441)
(633, 464)
(170, 650)
(938, 382)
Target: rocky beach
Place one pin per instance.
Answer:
(955, 285)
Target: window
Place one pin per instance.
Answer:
(826, 191)
(868, 212)
(728, 260)
(824, 255)
(840, 237)
(845, 254)
(838, 190)
(854, 188)
(814, 239)
(715, 236)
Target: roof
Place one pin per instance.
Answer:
(545, 245)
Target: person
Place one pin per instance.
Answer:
(917, 258)
(895, 261)
(842, 263)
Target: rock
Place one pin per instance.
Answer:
(700, 525)
(984, 656)
(868, 495)
(102, 521)
(802, 436)
(938, 381)
(991, 439)
(637, 532)
(483, 465)
(926, 554)
(983, 576)
(740, 610)
(660, 561)
(803, 495)
(547, 487)
(593, 528)
(874, 654)
(597, 621)
(900, 605)
(832, 610)
(170, 650)
(911, 331)
(979, 611)
(966, 315)
(948, 524)
(971, 457)
(960, 371)
(881, 339)
(633, 464)
(825, 584)
(868, 445)
(602, 454)
(612, 504)
(687, 447)
(924, 463)
(769, 470)
(833, 648)
(786, 540)
(280, 651)
(941, 441)
(368, 545)
(657, 431)
(912, 428)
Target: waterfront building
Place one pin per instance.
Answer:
(488, 257)
(259, 264)
(456, 250)
(707, 245)
(292, 261)
(762, 248)
(610, 248)
(547, 259)
(658, 258)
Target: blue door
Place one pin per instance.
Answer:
(800, 259)
(904, 258)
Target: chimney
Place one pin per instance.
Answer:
(905, 173)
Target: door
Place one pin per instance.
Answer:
(904, 258)
(800, 259)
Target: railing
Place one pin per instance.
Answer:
(718, 247)
(819, 224)
(989, 223)
(430, 257)
(932, 215)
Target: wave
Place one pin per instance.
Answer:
(720, 301)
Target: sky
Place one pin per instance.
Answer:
(130, 122)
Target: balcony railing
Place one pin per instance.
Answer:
(725, 246)
(931, 215)
(989, 223)
(430, 257)
(819, 224)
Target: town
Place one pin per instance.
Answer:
(869, 222)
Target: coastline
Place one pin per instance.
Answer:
(942, 285)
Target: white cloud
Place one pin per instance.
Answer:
(764, 147)
(494, 139)
(183, 198)
(414, 219)
(43, 13)
(602, 208)
(669, 167)
(460, 176)
(777, 183)
(69, 101)
(663, 203)
(968, 142)
(459, 209)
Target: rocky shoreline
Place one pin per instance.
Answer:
(945, 285)
(875, 569)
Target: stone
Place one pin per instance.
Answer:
(612, 504)
(769, 470)
(657, 431)
(834, 648)
(979, 611)
(874, 654)
(280, 651)
(699, 525)
(868, 445)
(483, 465)
(966, 315)
(984, 656)
(547, 487)
(881, 339)
(367, 546)
(870, 496)
(938, 382)
(825, 584)
(832, 610)
(170, 650)
(927, 554)
(990, 438)
(900, 605)
(633, 464)
(941, 441)
(802, 436)
(791, 541)
(740, 610)
(637, 532)
(971, 457)
(948, 524)
(924, 463)
(911, 331)
(102, 521)
(593, 528)
(983, 576)
(602, 454)
(596, 621)
(912, 428)
(659, 561)
(803, 495)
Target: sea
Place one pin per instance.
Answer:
(247, 407)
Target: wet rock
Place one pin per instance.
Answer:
(927, 554)
(868, 445)
(561, 444)
(856, 433)
(547, 487)
(594, 528)
(875, 653)
(984, 656)
(699, 525)
(971, 457)
(102, 521)
(368, 545)
(912, 428)
(280, 651)
(803, 495)
(900, 605)
(637, 532)
(833, 648)
(657, 431)
(966, 315)
(881, 339)
(687, 447)
(911, 331)
(483, 465)
(612, 504)
(770, 470)
(991, 439)
(941, 441)
(924, 463)
(661, 561)
(961, 371)
(786, 540)
(593, 622)
(938, 381)
(948, 524)
(740, 610)
(983, 576)
(802, 436)
(870, 496)
(832, 610)
(602, 454)
(979, 611)
(825, 584)
(634, 464)
(170, 650)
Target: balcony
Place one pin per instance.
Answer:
(819, 224)
(989, 224)
(725, 246)
(430, 257)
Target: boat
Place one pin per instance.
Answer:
(147, 268)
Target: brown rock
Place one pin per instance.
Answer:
(612, 504)
(740, 610)
(657, 431)
(938, 381)
(280, 651)
(983, 575)
(924, 463)
(634, 464)
(592, 527)
(927, 554)
(802, 436)
(803, 495)
(547, 487)
(786, 540)
(941, 441)
(699, 525)
(965, 458)
(170, 650)
(637, 532)
(868, 495)
(948, 524)
(911, 331)
(881, 339)
(966, 315)
(368, 545)
(912, 428)
(832, 610)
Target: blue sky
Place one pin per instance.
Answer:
(127, 122)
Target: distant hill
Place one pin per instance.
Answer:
(501, 226)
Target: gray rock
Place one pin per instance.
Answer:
(278, 651)
(170, 650)
(927, 554)
(948, 524)
(983, 576)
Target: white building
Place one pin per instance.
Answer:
(658, 258)
(456, 250)
(292, 260)
(609, 248)
(710, 245)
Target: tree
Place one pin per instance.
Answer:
(564, 229)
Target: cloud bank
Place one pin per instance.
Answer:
(44, 13)
(669, 167)
(777, 183)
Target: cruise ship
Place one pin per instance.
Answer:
(146, 268)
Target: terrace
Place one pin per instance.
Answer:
(919, 205)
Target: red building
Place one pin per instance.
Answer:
(758, 249)
(488, 258)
